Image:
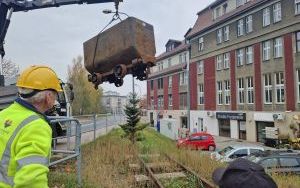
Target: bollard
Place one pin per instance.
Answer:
(95, 118)
(106, 123)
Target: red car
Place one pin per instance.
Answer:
(201, 140)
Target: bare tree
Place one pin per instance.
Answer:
(9, 68)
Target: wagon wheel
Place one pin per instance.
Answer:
(119, 82)
(120, 71)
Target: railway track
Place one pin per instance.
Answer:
(162, 171)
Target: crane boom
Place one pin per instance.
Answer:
(9, 6)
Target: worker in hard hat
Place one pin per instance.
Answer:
(25, 134)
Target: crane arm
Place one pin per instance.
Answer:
(9, 6)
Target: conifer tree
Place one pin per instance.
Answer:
(133, 124)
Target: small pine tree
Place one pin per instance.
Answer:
(132, 112)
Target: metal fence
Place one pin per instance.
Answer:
(69, 153)
(75, 127)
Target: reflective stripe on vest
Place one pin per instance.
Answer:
(33, 160)
(6, 154)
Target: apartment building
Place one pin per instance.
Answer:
(167, 84)
(245, 68)
(113, 102)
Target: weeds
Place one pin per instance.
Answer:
(106, 162)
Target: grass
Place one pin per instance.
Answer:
(105, 163)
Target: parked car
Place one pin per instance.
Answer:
(197, 141)
(230, 153)
(283, 162)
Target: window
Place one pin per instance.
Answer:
(249, 55)
(239, 153)
(266, 17)
(183, 58)
(220, 93)
(226, 33)
(240, 28)
(279, 87)
(169, 62)
(219, 62)
(266, 50)
(227, 91)
(240, 57)
(277, 12)
(170, 100)
(298, 84)
(152, 102)
(278, 47)
(226, 61)
(249, 24)
(218, 12)
(170, 82)
(200, 94)
(241, 2)
(255, 151)
(268, 99)
(269, 163)
(219, 36)
(160, 83)
(200, 67)
(287, 162)
(160, 101)
(151, 84)
(183, 78)
(183, 99)
(225, 8)
(200, 44)
(250, 92)
(298, 41)
(297, 6)
(241, 91)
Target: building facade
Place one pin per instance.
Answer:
(167, 84)
(245, 68)
(113, 102)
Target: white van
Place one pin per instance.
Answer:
(230, 153)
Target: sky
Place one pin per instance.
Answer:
(54, 36)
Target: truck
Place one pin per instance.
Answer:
(9, 93)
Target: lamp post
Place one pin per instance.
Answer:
(188, 95)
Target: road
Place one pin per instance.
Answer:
(103, 125)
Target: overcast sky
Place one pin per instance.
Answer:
(54, 36)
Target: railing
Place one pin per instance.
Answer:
(70, 153)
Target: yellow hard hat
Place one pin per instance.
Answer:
(40, 78)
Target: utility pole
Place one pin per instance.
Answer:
(188, 95)
(132, 84)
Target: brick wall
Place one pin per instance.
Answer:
(289, 72)
(155, 85)
(166, 96)
(175, 89)
(257, 78)
(232, 80)
(209, 84)
(193, 86)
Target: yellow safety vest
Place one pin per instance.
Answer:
(25, 146)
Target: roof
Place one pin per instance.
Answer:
(205, 17)
(173, 41)
(182, 47)
(167, 71)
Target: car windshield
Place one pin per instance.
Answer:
(225, 150)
